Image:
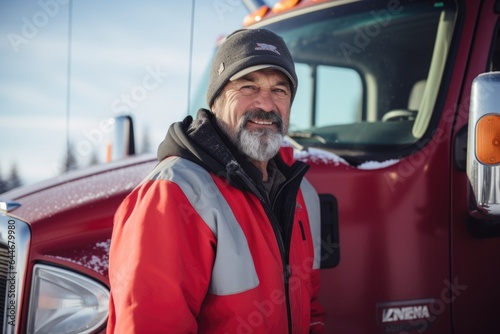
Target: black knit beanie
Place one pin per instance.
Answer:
(245, 51)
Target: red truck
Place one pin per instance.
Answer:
(397, 113)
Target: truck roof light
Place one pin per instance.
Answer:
(488, 139)
(109, 152)
(255, 16)
(283, 5)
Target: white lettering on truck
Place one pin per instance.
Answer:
(405, 313)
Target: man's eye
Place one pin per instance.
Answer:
(280, 92)
(247, 90)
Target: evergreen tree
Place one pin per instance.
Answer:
(3, 184)
(94, 160)
(146, 142)
(14, 180)
(70, 162)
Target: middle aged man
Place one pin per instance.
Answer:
(222, 237)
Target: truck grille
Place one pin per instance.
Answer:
(15, 239)
(4, 262)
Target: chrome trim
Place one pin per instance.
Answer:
(15, 235)
(8, 206)
(484, 180)
(124, 140)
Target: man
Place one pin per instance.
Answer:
(222, 236)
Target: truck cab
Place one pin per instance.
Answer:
(395, 100)
(386, 86)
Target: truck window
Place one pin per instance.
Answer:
(369, 75)
(336, 86)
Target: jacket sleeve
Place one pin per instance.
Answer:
(161, 258)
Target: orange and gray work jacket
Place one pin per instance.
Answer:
(206, 251)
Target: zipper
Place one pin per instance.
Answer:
(287, 270)
(288, 233)
(285, 244)
(283, 248)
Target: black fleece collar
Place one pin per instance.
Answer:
(201, 141)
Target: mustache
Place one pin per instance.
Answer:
(272, 116)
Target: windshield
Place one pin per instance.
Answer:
(369, 75)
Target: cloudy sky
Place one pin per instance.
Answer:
(125, 57)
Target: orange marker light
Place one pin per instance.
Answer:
(284, 5)
(109, 152)
(255, 16)
(488, 139)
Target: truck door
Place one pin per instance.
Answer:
(475, 247)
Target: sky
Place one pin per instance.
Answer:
(122, 57)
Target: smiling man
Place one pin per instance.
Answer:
(224, 235)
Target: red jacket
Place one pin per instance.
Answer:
(191, 253)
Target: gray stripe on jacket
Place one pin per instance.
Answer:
(234, 269)
(313, 211)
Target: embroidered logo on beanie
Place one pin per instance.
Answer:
(267, 47)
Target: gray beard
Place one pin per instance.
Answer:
(258, 145)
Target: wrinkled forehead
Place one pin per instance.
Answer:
(274, 76)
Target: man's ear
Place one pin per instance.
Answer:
(213, 107)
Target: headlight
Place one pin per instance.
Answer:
(65, 302)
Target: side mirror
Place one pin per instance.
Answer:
(483, 147)
(123, 144)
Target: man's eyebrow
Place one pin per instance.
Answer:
(284, 83)
(250, 77)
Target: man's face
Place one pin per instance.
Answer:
(254, 112)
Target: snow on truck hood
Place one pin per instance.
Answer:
(317, 155)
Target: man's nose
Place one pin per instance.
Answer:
(265, 100)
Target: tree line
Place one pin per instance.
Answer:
(11, 181)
